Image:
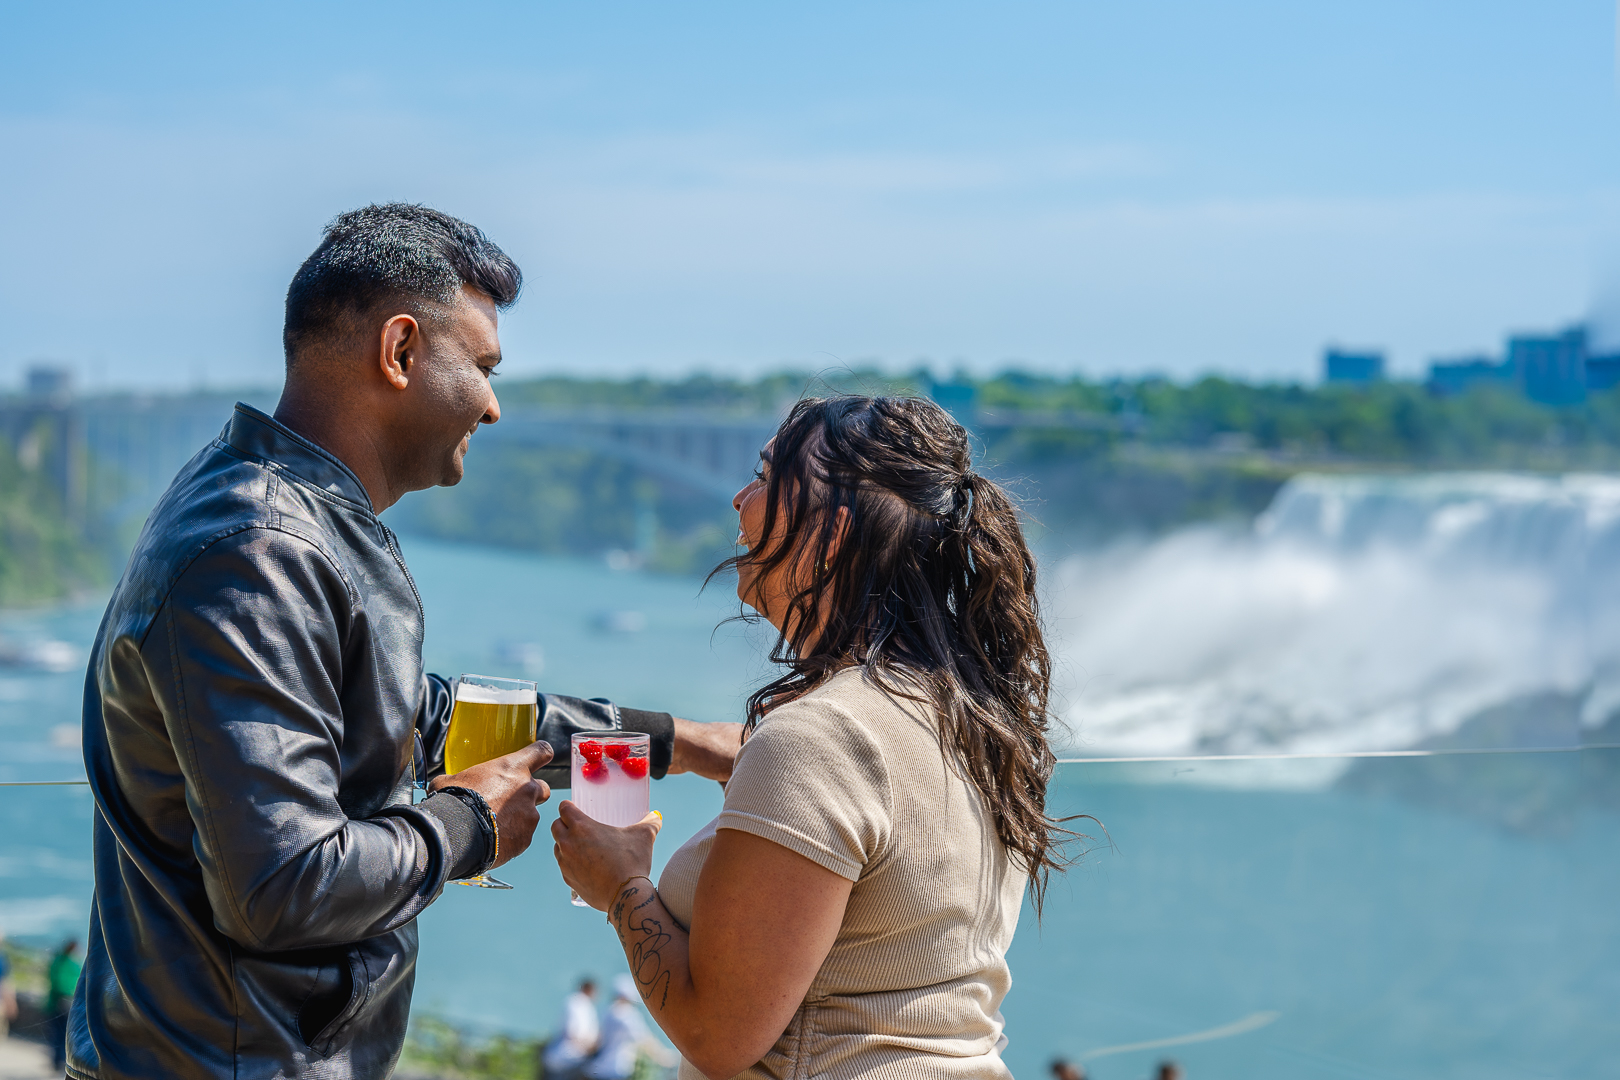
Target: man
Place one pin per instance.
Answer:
(255, 708)
(8, 992)
(61, 977)
(576, 1036)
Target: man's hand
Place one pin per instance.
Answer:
(706, 749)
(508, 785)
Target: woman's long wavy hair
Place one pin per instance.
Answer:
(931, 586)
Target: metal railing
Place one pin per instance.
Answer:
(1393, 913)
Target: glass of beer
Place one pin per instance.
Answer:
(491, 718)
(608, 775)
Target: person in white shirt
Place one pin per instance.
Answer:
(576, 1036)
(623, 1034)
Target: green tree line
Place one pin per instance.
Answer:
(1090, 458)
(43, 553)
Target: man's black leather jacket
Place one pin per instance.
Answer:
(251, 713)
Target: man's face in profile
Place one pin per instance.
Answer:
(459, 353)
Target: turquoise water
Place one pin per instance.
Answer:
(1314, 932)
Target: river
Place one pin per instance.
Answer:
(1294, 919)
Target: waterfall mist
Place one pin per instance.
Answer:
(1360, 613)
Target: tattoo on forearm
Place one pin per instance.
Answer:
(643, 943)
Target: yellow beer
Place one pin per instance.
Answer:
(491, 717)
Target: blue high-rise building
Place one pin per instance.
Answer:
(1552, 369)
(1602, 372)
(1352, 367)
(1448, 378)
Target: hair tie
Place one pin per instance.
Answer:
(963, 502)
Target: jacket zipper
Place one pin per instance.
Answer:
(399, 558)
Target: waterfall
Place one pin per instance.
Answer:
(1358, 613)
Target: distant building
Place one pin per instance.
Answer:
(49, 382)
(1352, 367)
(1448, 378)
(1602, 372)
(1552, 369)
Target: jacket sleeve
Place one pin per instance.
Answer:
(246, 658)
(560, 718)
(432, 725)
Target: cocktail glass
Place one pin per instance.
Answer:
(608, 775)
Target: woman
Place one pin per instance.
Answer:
(849, 911)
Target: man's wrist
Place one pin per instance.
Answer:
(470, 826)
(660, 726)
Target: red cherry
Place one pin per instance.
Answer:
(591, 751)
(618, 751)
(635, 768)
(594, 771)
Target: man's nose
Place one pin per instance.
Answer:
(492, 411)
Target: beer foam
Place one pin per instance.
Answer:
(488, 695)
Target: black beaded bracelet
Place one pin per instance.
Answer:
(486, 821)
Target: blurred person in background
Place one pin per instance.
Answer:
(8, 991)
(1066, 1070)
(1169, 1070)
(849, 912)
(61, 979)
(256, 711)
(577, 1034)
(624, 1035)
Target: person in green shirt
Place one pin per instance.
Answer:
(61, 978)
(8, 992)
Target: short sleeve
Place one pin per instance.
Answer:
(813, 779)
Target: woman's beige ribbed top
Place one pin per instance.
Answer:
(854, 780)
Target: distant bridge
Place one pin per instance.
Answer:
(710, 452)
(111, 457)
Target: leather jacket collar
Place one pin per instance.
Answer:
(257, 435)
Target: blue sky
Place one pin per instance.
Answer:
(1176, 187)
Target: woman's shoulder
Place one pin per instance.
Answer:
(856, 696)
(856, 712)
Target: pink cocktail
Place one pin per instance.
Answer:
(609, 778)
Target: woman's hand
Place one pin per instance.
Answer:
(595, 859)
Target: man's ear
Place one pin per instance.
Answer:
(401, 341)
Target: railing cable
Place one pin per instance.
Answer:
(1183, 758)
(1328, 755)
(43, 783)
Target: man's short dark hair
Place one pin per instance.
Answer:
(396, 253)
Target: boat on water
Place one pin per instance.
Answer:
(39, 654)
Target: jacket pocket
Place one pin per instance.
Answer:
(338, 991)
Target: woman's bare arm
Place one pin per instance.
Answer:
(763, 921)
